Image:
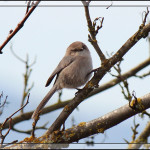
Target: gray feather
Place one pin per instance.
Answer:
(44, 101)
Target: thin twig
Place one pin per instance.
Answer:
(2, 104)
(101, 24)
(125, 87)
(17, 110)
(146, 14)
(4, 100)
(141, 139)
(143, 75)
(9, 118)
(110, 5)
(134, 129)
(13, 142)
(28, 6)
(26, 75)
(11, 49)
(26, 79)
(4, 136)
(30, 131)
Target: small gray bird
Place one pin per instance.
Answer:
(73, 71)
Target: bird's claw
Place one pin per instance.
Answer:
(79, 90)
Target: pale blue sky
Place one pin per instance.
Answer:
(46, 34)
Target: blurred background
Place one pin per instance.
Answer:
(46, 34)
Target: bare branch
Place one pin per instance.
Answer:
(141, 139)
(26, 90)
(4, 136)
(99, 125)
(101, 24)
(93, 32)
(85, 129)
(143, 75)
(11, 49)
(19, 26)
(1, 105)
(26, 75)
(126, 75)
(134, 130)
(10, 122)
(13, 142)
(30, 131)
(16, 111)
(125, 87)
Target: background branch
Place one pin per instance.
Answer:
(30, 131)
(2, 104)
(27, 116)
(141, 139)
(10, 122)
(26, 75)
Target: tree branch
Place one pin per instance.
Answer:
(93, 32)
(101, 124)
(85, 129)
(126, 75)
(19, 26)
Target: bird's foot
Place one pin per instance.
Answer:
(79, 90)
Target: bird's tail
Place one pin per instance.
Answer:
(43, 102)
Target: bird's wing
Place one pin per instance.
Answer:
(67, 60)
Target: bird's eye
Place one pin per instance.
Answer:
(77, 50)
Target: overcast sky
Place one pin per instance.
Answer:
(46, 35)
